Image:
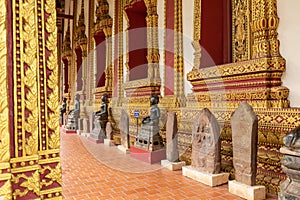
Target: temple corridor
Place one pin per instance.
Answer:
(96, 171)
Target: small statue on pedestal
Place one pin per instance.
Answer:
(149, 138)
(63, 110)
(74, 115)
(101, 118)
(153, 118)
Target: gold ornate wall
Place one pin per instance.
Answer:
(32, 168)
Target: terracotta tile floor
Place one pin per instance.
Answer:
(95, 171)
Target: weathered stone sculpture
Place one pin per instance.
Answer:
(206, 151)
(124, 132)
(149, 138)
(63, 110)
(73, 115)
(101, 118)
(206, 143)
(172, 138)
(290, 188)
(244, 125)
(172, 153)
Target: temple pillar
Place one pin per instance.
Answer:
(29, 131)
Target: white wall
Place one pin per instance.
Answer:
(188, 50)
(289, 37)
(161, 42)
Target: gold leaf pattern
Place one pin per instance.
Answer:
(4, 116)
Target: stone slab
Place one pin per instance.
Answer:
(95, 140)
(108, 142)
(63, 130)
(123, 149)
(173, 166)
(85, 134)
(211, 180)
(248, 192)
(150, 157)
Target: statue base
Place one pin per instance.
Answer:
(211, 180)
(290, 188)
(149, 138)
(95, 140)
(150, 157)
(97, 136)
(108, 142)
(66, 131)
(173, 166)
(123, 149)
(256, 192)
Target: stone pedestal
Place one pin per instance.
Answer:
(173, 166)
(248, 192)
(149, 138)
(204, 177)
(98, 134)
(290, 188)
(72, 123)
(86, 125)
(150, 157)
(123, 149)
(108, 142)
(66, 131)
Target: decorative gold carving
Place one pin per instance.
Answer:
(4, 111)
(25, 79)
(252, 66)
(241, 30)
(31, 183)
(54, 175)
(53, 96)
(67, 50)
(197, 34)
(5, 191)
(80, 36)
(178, 56)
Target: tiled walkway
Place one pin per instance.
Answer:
(95, 171)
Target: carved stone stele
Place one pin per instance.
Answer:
(172, 137)
(244, 125)
(124, 129)
(109, 130)
(206, 143)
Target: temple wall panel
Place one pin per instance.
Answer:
(288, 34)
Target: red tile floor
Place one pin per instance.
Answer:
(96, 171)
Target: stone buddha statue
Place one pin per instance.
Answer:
(102, 115)
(153, 118)
(74, 115)
(101, 118)
(63, 110)
(149, 137)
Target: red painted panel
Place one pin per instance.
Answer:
(78, 52)
(169, 62)
(214, 32)
(101, 58)
(66, 85)
(138, 63)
